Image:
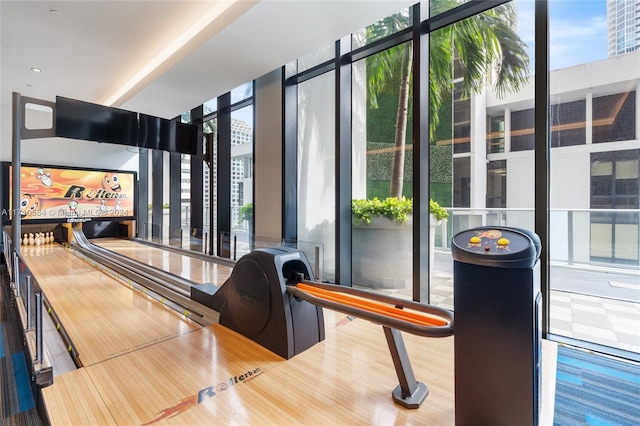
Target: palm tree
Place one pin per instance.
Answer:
(482, 44)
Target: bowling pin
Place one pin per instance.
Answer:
(32, 240)
(38, 240)
(25, 240)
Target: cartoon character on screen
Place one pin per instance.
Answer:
(73, 208)
(29, 205)
(44, 177)
(111, 182)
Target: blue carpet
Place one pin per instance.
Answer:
(593, 389)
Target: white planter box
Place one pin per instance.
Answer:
(382, 253)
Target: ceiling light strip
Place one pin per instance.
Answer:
(171, 49)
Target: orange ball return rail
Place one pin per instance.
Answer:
(394, 315)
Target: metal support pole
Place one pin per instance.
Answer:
(317, 263)
(205, 243)
(16, 137)
(16, 273)
(235, 241)
(409, 393)
(29, 302)
(39, 348)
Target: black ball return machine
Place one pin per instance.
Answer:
(271, 298)
(497, 303)
(254, 301)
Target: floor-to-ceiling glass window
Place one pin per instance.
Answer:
(594, 186)
(382, 161)
(242, 167)
(480, 72)
(316, 166)
(482, 139)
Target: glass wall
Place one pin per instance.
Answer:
(382, 163)
(482, 140)
(595, 182)
(242, 175)
(316, 166)
(475, 117)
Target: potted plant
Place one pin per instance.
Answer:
(382, 253)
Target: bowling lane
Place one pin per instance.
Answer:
(187, 267)
(103, 316)
(220, 377)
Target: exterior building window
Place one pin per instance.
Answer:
(568, 123)
(495, 136)
(497, 184)
(522, 131)
(241, 161)
(614, 117)
(461, 121)
(615, 185)
(462, 182)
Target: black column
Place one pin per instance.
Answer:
(542, 150)
(289, 154)
(195, 185)
(175, 198)
(143, 194)
(223, 171)
(343, 161)
(156, 194)
(421, 216)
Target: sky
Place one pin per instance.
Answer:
(577, 30)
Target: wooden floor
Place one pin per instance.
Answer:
(103, 316)
(212, 375)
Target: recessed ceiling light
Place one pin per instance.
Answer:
(36, 69)
(55, 12)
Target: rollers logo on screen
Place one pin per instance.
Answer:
(48, 193)
(203, 395)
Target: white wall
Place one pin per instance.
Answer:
(520, 180)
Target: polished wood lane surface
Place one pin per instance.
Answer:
(188, 267)
(216, 376)
(103, 316)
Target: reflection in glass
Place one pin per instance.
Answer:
(381, 29)
(568, 123)
(210, 106)
(242, 92)
(316, 166)
(614, 117)
(310, 60)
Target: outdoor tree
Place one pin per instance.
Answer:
(485, 44)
